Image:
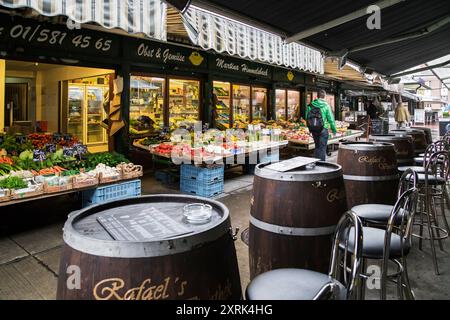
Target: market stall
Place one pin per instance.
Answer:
(46, 165)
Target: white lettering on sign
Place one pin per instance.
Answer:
(220, 63)
(162, 54)
(258, 71)
(56, 37)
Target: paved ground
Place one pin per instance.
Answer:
(31, 240)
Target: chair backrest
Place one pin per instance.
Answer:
(408, 180)
(437, 166)
(400, 223)
(343, 256)
(441, 145)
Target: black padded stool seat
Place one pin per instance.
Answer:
(432, 180)
(373, 244)
(377, 213)
(291, 284)
(415, 168)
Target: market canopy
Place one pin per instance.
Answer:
(412, 31)
(224, 35)
(134, 16)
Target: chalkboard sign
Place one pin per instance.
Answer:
(145, 225)
(379, 126)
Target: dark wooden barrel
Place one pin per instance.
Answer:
(419, 140)
(427, 132)
(178, 259)
(293, 217)
(370, 172)
(403, 145)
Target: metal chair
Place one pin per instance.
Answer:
(301, 284)
(422, 159)
(374, 214)
(391, 245)
(433, 187)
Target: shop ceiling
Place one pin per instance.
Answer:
(399, 19)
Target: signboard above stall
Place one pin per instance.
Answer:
(28, 36)
(321, 83)
(288, 76)
(223, 64)
(165, 54)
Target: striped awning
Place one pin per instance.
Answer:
(134, 16)
(211, 31)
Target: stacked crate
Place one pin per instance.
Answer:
(203, 182)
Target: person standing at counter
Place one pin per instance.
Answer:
(319, 119)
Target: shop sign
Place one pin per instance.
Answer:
(322, 83)
(242, 67)
(290, 76)
(55, 38)
(154, 52)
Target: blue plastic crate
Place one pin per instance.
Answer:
(201, 189)
(111, 192)
(209, 175)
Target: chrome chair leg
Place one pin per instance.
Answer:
(431, 236)
(408, 290)
(436, 223)
(400, 287)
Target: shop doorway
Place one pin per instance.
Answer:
(42, 98)
(16, 102)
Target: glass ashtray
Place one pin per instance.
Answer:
(197, 213)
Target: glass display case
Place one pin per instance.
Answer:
(293, 104)
(241, 106)
(222, 101)
(147, 104)
(85, 109)
(280, 104)
(183, 101)
(95, 114)
(75, 114)
(259, 104)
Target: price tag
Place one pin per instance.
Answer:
(39, 155)
(50, 148)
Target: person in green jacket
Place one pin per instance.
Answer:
(319, 127)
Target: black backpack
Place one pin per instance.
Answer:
(315, 120)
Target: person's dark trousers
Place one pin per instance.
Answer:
(321, 143)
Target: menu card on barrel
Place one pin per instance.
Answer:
(145, 225)
(291, 164)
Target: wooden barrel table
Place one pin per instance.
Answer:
(293, 217)
(427, 132)
(419, 139)
(403, 145)
(145, 249)
(370, 172)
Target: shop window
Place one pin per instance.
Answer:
(221, 104)
(147, 104)
(183, 101)
(259, 104)
(241, 106)
(293, 104)
(330, 99)
(280, 104)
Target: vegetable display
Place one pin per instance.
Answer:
(13, 183)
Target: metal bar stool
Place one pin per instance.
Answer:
(391, 245)
(301, 284)
(377, 215)
(433, 186)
